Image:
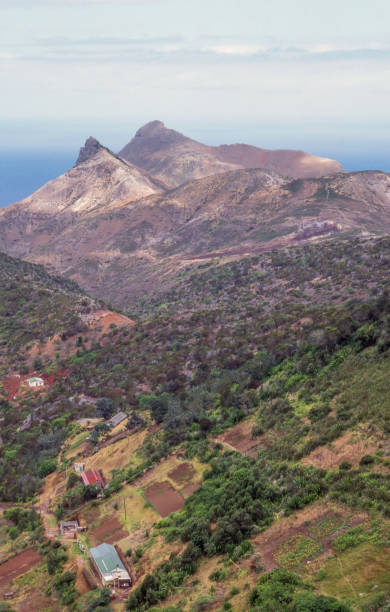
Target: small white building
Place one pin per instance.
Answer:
(35, 381)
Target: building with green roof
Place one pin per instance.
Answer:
(109, 566)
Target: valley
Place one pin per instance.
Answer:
(194, 367)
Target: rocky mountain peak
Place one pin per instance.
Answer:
(176, 159)
(155, 135)
(91, 147)
(151, 128)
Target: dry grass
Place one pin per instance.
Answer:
(31, 588)
(357, 574)
(238, 575)
(117, 455)
(351, 447)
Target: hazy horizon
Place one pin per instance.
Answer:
(305, 75)
(23, 171)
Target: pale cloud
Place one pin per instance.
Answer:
(63, 3)
(177, 49)
(213, 60)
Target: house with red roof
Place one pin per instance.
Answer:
(93, 477)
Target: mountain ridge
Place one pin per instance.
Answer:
(177, 159)
(250, 386)
(130, 248)
(98, 178)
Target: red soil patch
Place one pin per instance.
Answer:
(18, 565)
(164, 498)
(183, 474)
(239, 438)
(50, 379)
(190, 489)
(11, 384)
(110, 531)
(103, 319)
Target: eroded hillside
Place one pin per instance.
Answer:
(129, 250)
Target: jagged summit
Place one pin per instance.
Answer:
(99, 179)
(91, 147)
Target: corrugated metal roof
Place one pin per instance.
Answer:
(91, 477)
(106, 558)
(117, 418)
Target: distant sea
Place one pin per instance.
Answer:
(21, 173)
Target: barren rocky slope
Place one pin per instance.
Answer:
(176, 159)
(99, 178)
(124, 250)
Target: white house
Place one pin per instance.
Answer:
(35, 381)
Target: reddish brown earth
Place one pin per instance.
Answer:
(81, 583)
(12, 384)
(137, 248)
(190, 489)
(50, 379)
(104, 320)
(18, 565)
(183, 474)
(109, 531)
(239, 438)
(164, 498)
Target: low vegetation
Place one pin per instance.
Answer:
(297, 344)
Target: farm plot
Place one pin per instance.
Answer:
(350, 447)
(18, 565)
(240, 438)
(183, 474)
(361, 572)
(55, 485)
(117, 454)
(301, 539)
(110, 530)
(164, 498)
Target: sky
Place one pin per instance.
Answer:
(307, 74)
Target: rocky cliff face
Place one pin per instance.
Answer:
(176, 159)
(91, 147)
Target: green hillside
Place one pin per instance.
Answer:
(34, 306)
(267, 378)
